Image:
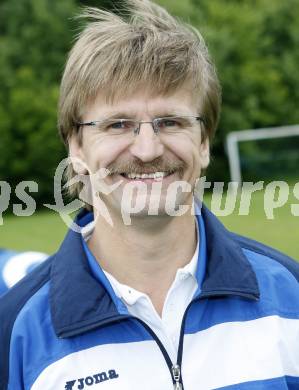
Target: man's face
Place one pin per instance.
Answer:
(171, 156)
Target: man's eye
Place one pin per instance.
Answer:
(117, 125)
(169, 123)
(120, 126)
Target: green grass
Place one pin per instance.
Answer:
(44, 231)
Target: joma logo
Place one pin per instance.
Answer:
(80, 383)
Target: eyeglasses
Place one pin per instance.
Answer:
(171, 124)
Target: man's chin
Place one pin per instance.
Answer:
(154, 206)
(146, 205)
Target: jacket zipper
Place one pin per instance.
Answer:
(176, 373)
(175, 369)
(179, 382)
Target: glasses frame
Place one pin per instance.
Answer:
(137, 130)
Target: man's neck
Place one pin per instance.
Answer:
(146, 254)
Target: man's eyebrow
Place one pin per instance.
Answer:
(131, 115)
(119, 115)
(169, 113)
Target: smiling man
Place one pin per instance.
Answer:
(163, 141)
(171, 300)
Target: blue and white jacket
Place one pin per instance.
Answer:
(61, 328)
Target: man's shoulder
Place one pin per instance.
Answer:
(260, 252)
(262, 258)
(277, 277)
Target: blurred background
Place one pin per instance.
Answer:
(255, 45)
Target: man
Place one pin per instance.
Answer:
(147, 295)
(15, 265)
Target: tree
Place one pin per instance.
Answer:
(35, 37)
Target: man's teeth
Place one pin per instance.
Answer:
(155, 175)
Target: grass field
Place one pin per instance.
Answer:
(45, 230)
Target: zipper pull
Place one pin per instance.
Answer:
(176, 373)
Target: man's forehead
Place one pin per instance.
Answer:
(142, 102)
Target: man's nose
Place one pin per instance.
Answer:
(146, 145)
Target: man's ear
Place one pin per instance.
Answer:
(205, 153)
(77, 156)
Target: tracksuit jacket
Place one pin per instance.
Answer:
(62, 328)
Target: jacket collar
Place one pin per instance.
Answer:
(80, 303)
(228, 270)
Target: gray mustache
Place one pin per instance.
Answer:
(139, 167)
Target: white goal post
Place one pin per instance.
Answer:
(233, 139)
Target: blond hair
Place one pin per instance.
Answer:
(143, 45)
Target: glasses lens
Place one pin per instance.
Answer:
(118, 126)
(174, 124)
